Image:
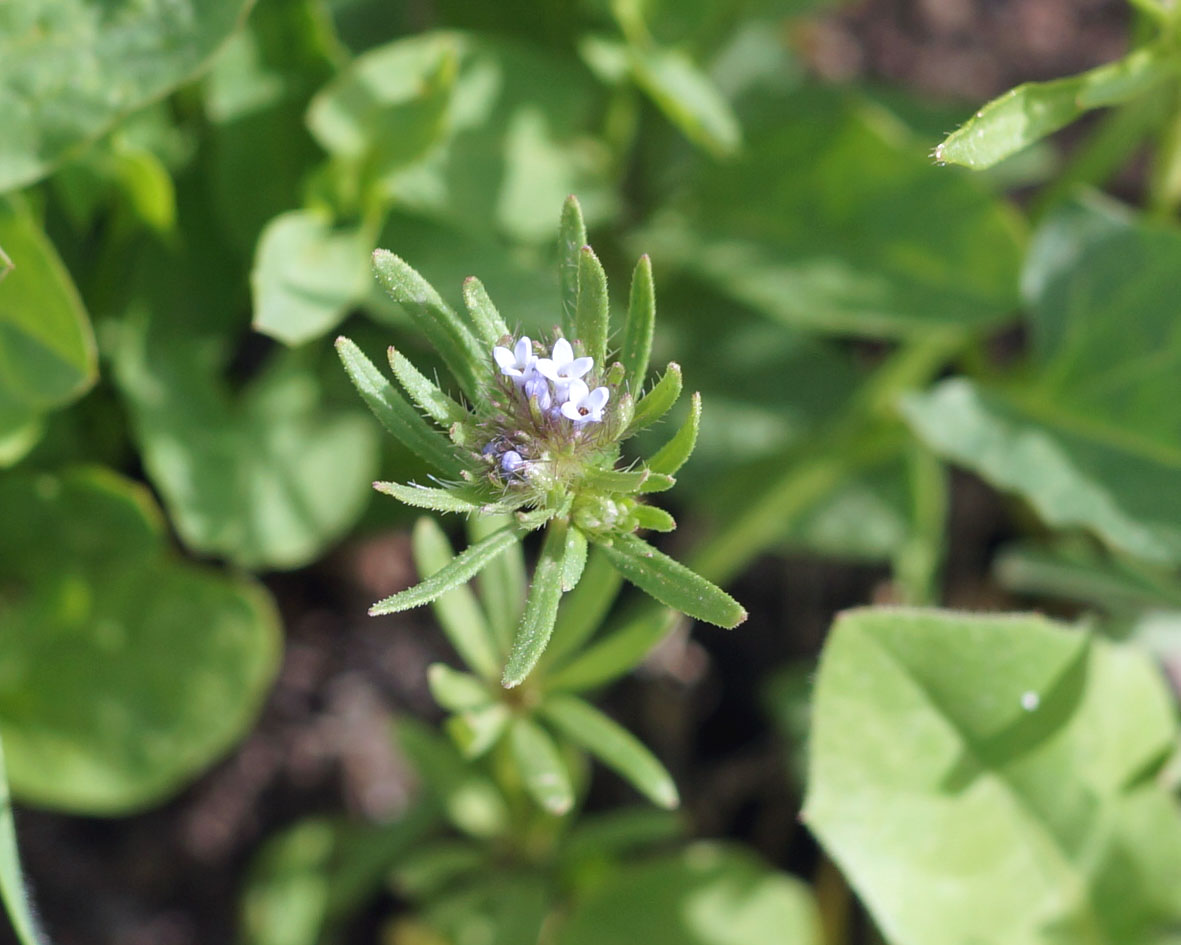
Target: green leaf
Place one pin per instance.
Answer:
(641, 322)
(128, 670)
(571, 240)
(618, 652)
(456, 691)
(540, 766)
(454, 341)
(583, 609)
(395, 414)
(671, 583)
(657, 402)
(573, 559)
(502, 582)
(426, 497)
(458, 610)
(475, 731)
(673, 455)
(47, 352)
(862, 237)
(461, 570)
(1091, 439)
(612, 744)
(541, 608)
(425, 393)
(66, 73)
(484, 315)
(653, 519)
(592, 315)
(307, 275)
(971, 777)
(1031, 111)
(12, 884)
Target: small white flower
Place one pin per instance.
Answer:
(583, 404)
(562, 367)
(537, 386)
(519, 363)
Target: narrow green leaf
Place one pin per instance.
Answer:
(1031, 111)
(657, 402)
(434, 402)
(460, 570)
(12, 884)
(618, 652)
(641, 321)
(672, 456)
(427, 497)
(541, 609)
(658, 482)
(583, 609)
(477, 730)
(456, 691)
(5, 264)
(456, 606)
(539, 763)
(573, 559)
(618, 481)
(612, 744)
(502, 583)
(592, 316)
(395, 414)
(571, 239)
(484, 314)
(462, 353)
(671, 583)
(653, 519)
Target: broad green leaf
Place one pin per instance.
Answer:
(485, 317)
(127, 671)
(708, 894)
(456, 691)
(462, 568)
(583, 609)
(612, 744)
(267, 477)
(863, 236)
(571, 240)
(70, 70)
(641, 323)
(12, 884)
(458, 610)
(1031, 111)
(449, 335)
(1091, 438)
(540, 766)
(307, 275)
(676, 452)
(592, 312)
(502, 583)
(47, 352)
(395, 414)
(658, 401)
(688, 98)
(428, 497)
(992, 779)
(541, 607)
(671, 583)
(425, 393)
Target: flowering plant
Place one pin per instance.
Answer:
(538, 438)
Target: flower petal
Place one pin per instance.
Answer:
(562, 354)
(504, 357)
(524, 352)
(579, 366)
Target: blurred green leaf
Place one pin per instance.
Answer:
(502, 582)
(66, 72)
(991, 779)
(307, 275)
(541, 766)
(710, 894)
(267, 478)
(125, 672)
(47, 353)
(12, 884)
(1091, 439)
(1031, 111)
(497, 908)
(687, 96)
(834, 219)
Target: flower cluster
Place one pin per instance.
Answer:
(545, 405)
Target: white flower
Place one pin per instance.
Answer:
(519, 363)
(583, 404)
(563, 368)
